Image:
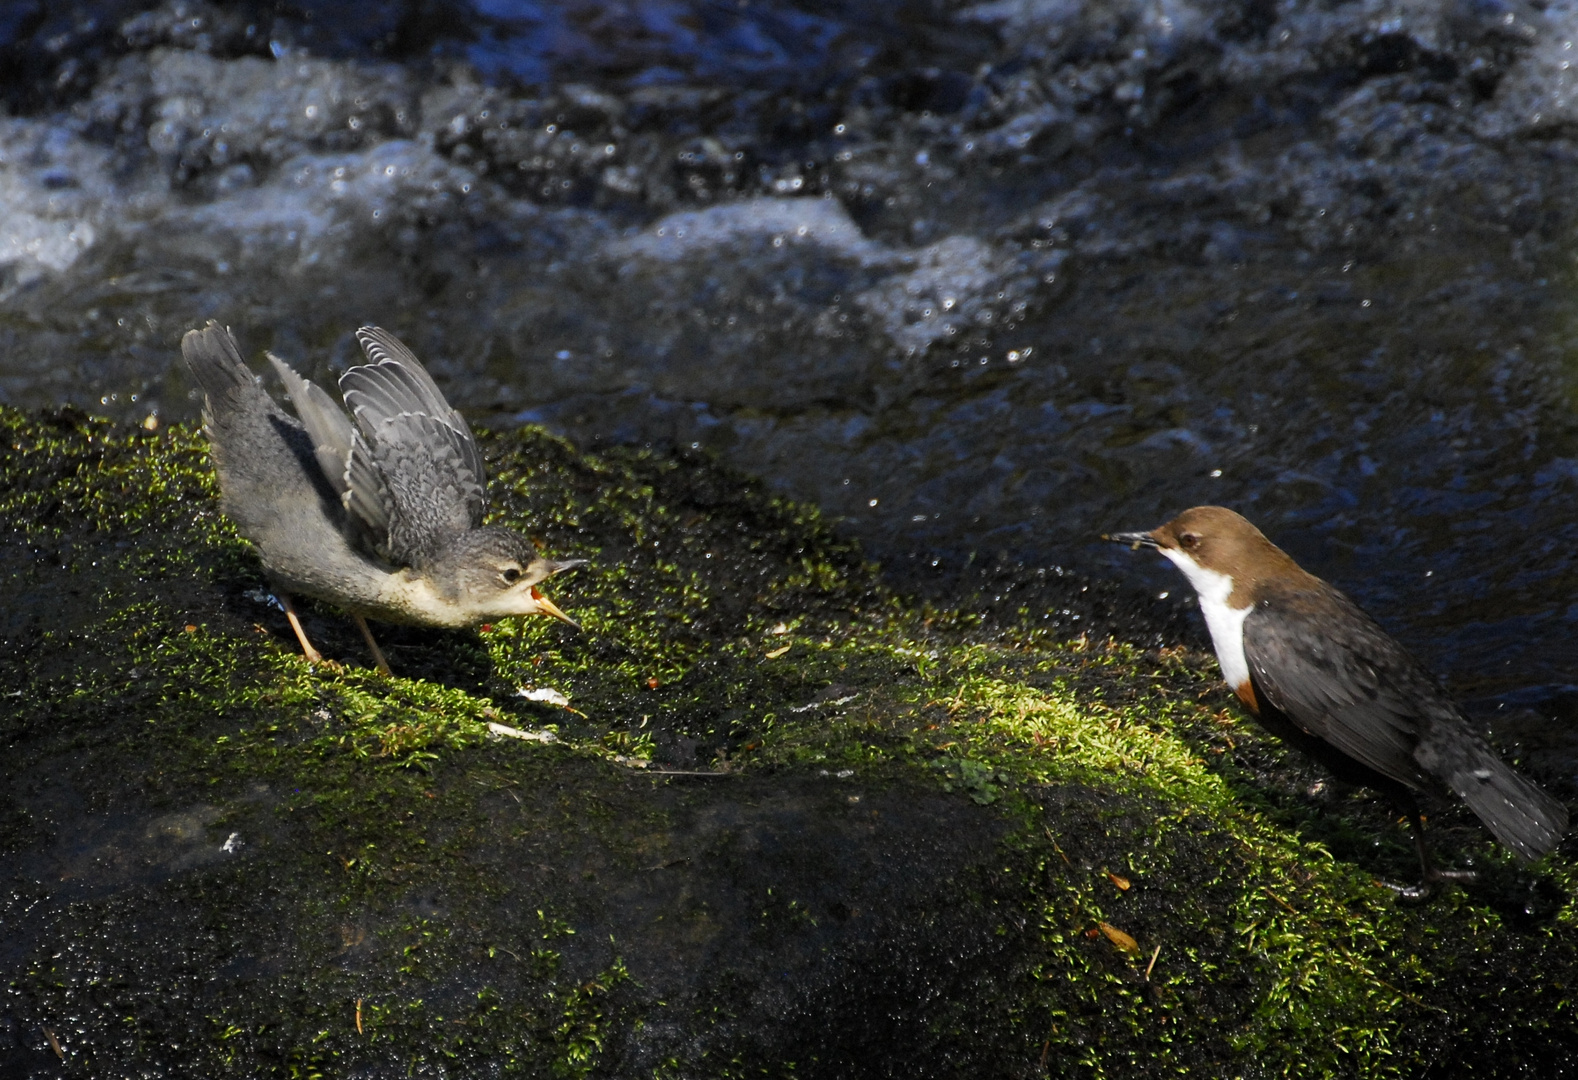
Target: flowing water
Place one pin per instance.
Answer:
(982, 280)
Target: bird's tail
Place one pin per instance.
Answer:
(215, 362)
(1523, 816)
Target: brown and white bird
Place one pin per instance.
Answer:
(1322, 675)
(379, 512)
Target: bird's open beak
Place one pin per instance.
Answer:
(550, 608)
(1136, 540)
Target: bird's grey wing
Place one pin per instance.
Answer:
(1361, 695)
(366, 495)
(420, 448)
(393, 381)
(1368, 698)
(325, 421)
(432, 498)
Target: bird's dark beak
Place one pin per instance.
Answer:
(1135, 540)
(541, 570)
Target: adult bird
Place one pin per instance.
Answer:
(1322, 675)
(380, 515)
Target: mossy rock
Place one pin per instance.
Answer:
(788, 823)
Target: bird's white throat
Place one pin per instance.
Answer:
(1225, 623)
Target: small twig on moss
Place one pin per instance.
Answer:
(1406, 996)
(1281, 902)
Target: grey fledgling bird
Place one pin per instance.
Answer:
(381, 516)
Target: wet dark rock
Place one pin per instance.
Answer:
(788, 815)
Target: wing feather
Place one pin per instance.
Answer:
(366, 494)
(430, 478)
(1361, 694)
(394, 381)
(326, 423)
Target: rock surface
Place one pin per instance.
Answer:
(788, 822)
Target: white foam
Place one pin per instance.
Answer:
(52, 193)
(789, 221)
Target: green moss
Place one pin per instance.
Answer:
(788, 823)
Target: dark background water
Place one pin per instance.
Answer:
(982, 280)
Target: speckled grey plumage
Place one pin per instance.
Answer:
(381, 515)
(271, 484)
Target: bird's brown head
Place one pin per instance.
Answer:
(491, 573)
(1214, 538)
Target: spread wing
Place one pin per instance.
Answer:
(409, 440)
(359, 486)
(1362, 694)
(326, 423)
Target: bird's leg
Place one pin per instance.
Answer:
(313, 655)
(1427, 867)
(378, 654)
(1429, 875)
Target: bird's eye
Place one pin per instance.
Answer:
(511, 575)
(1189, 540)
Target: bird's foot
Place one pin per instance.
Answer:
(1410, 894)
(1418, 894)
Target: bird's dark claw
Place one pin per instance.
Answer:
(1410, 894)
(1419, 894)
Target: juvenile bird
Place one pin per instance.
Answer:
(1320, 674)
(381, 516)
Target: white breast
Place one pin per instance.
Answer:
(1225, 623)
